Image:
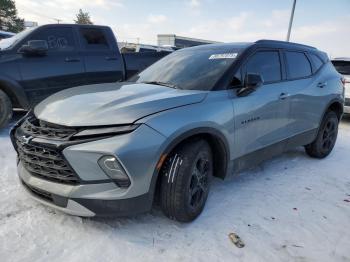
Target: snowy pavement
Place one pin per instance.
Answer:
(291, 208)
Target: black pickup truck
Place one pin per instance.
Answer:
(44, 60)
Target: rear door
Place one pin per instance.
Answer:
(306, 91)
(103, 62)
(261, 118)
(61, 68)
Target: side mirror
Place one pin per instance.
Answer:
(34, 48)
(251, 83)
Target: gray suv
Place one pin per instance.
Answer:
(201, 112)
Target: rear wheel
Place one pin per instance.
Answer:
(323, 145)
(5, 109)
(185, 180)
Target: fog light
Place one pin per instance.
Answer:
(111, 166)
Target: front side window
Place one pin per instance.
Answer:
(94, 38)
(298, 65)
(265, 63)
(58, 39)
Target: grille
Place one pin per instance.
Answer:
(46, 163)
(37, 128)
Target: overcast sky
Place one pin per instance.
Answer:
(321, 23)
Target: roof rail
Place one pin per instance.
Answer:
(266, 41)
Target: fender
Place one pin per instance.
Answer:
(334, 100)
(14, 91)
(224, 168)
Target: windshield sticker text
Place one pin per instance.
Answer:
(224, 56)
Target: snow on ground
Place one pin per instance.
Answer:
(290, 208)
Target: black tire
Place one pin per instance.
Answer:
(5, 109)
(327, 134)
(185, 180)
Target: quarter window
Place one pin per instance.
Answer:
(265, 63)
(298, 65)
(94, 38)
(317, 62)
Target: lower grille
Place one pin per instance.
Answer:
(38, 192)
(46, 163)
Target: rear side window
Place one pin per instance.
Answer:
(317, 62)
(58, 38)
(298, 65)
(265, 63)
(94, 38)
(343, 67)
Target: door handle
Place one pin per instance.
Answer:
(72, 59)
(284, 96)
(109, 58)
(322, 84)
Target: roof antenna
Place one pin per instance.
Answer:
(291, 20)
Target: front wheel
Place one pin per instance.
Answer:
(327, 134)
(185, 180)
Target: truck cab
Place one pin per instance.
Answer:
(46, 59)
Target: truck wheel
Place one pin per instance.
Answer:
(185, 180)
(5, 109)
(326, 137)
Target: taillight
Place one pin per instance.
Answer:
(343, 80)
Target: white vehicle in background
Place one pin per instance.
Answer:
(4, 34)
(342, 64)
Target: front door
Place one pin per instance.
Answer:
(61, 68)
(262, 117)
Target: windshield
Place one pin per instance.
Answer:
(9, 42)
(343, 67)
(192, 69)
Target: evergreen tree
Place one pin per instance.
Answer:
(82, 18)
(9, 21)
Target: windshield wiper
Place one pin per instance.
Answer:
(161, 84)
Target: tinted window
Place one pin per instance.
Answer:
(298, 65)
(197, 69)
(343, 67)
(94, 38)
(316, 61)
(267, 64)
(58, 39)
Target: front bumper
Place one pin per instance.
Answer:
(82, 206)
(98, 195)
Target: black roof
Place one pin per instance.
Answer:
(260, 43)
(277, 43)
(72, 25)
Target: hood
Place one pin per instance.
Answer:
(112, 103)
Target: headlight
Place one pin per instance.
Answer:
(111, 166)
(106, 131)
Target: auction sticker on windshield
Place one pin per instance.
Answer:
(224, 56)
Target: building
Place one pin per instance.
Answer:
(136, 48)
(173, 40)
(29, 24)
